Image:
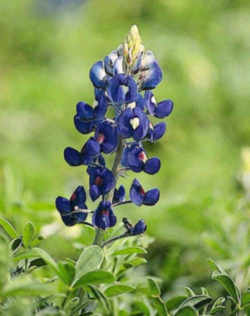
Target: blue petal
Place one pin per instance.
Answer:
(63, 205)
(94, 192)
(85, 111)
(151, 197)
(164, 108)
(139, 228)
(135, 194)
(97, 75)
(109, 62)
(159, 130)
(80, 197)
(152, 165)
(151, 77)
(72, 156)
(82, 126)
(119, 195)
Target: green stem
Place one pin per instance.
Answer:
(98, 236)
(115, 238)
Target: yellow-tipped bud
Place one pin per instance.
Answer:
(132, 47)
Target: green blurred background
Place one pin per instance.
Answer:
(47, 48)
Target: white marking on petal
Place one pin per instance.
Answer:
(134, 122)
(153, 100)
(132, 105)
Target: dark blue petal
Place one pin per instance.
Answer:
(109, 181)
(152, 165)
(136, 193)
(164, 108)
(79, 197)
(83, 126)
(151, 197)
(63, 205)
(97, 75)
(72, 156)
(101, 161)
(139, 228)
(124, 126)
(84, 111)
(94, 192)
(150, 102)
(119, 195)
(159, 130)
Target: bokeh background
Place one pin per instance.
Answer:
(46, 50)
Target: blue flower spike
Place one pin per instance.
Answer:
(120, 121)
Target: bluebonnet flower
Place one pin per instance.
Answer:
(87, 117)
(135, 158)
(119, 195)
(104, 216)
(156, 132)
(120, 122)
(72, 210)
(159, 110)
(133, 122)
(88, 153)
(107, 136)
(122, 89)
(101, 181)
(139, 196)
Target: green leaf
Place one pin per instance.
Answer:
(89, 260)
(217, 305)
(28, 234)
(118, 289)
(228, 285)
(186, 311)
(66, 271)
(24, 287)
(38, 253)
(101, 297)
(9, 229)
(129, 251)
(160, 306)
(245, 298)
(189, 291)
(215, 266)
(87, 235)
(175, 302)
(135, 262)
(154, 288)
(95, 277)
(140, 308)
(197, 301)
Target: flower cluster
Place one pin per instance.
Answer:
(120, 120)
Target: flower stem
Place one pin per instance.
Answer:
(122, 203)
(98, 236)
(115, 238)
